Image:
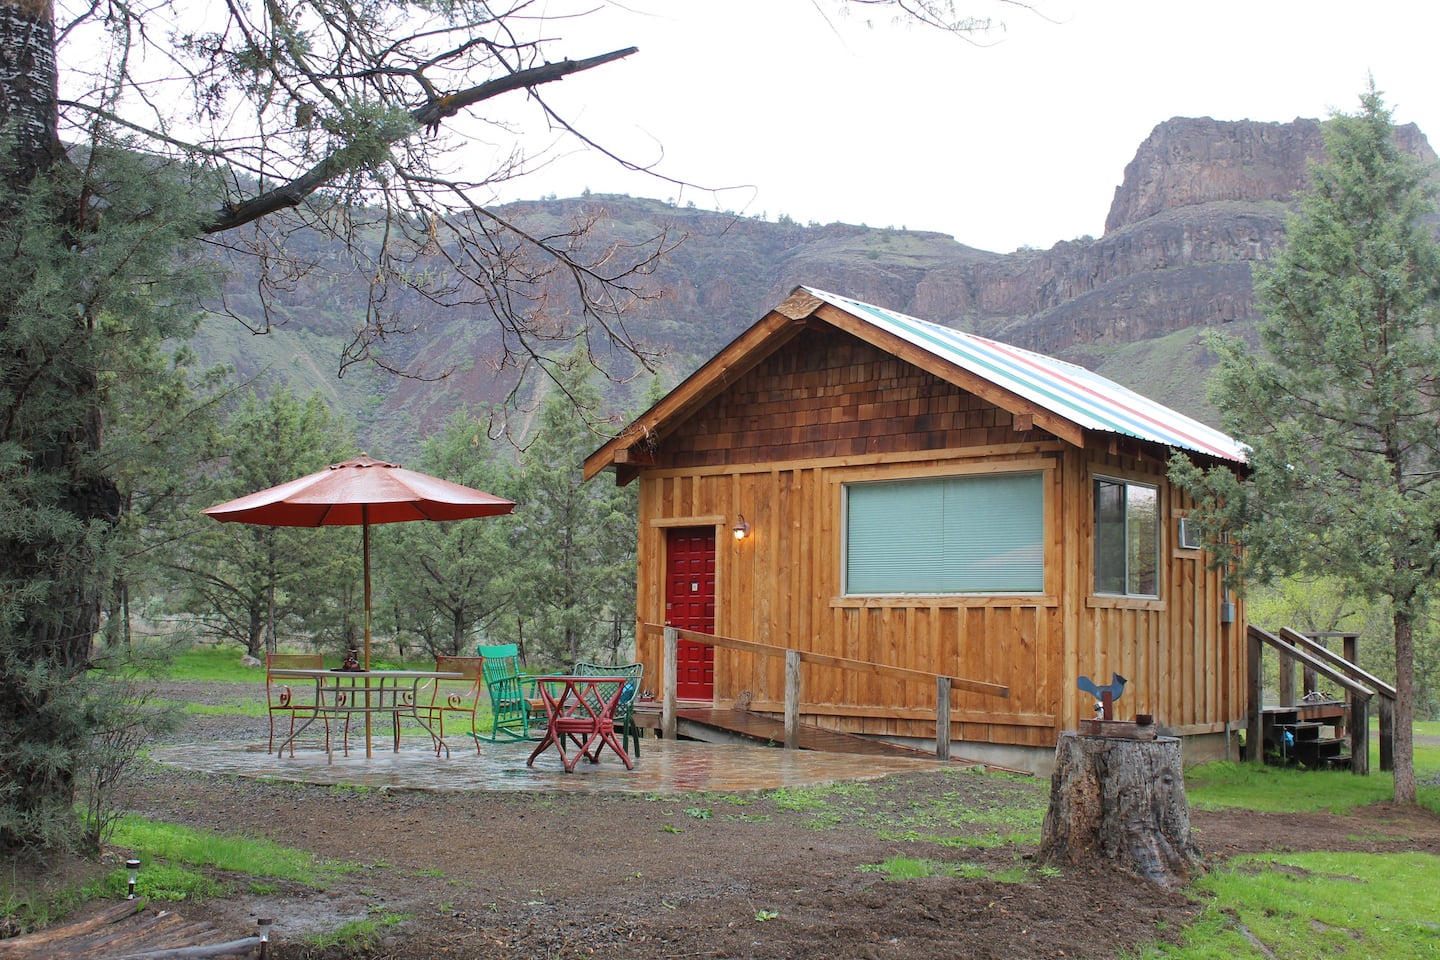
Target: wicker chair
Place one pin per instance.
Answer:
(625, 708)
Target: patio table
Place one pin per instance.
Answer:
(580, 714)
(346, 693)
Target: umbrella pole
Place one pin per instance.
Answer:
(365, 537)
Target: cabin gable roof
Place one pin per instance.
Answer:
(1062, 398)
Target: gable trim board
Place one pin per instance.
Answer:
(1061, 398)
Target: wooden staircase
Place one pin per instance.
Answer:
(1314, 731)
(1316, 734)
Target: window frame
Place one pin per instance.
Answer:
(1038, 471)
(1126, 594)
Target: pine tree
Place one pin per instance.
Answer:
(256, 585)
(578, 567)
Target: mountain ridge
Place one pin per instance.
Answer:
(1200, 204)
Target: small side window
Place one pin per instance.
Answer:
(1127, 538)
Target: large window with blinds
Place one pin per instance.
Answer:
(945, 535)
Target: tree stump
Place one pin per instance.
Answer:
(1120, 802)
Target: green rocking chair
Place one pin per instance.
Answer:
(505, 683)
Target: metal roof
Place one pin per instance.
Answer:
(1070, 391)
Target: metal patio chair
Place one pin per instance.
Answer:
(284, 698)
(456, 698)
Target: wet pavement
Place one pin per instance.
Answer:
(664, 767)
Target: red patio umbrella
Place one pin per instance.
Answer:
(360, 492)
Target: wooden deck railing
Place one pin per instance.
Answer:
(793, 659)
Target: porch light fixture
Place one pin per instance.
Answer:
(132, 874)
(741, 528)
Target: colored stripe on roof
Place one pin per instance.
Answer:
(1070, 391)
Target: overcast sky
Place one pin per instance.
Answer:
(1018, 142)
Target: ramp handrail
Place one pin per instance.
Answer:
(793, 659)
(1385, 709)
(1352, 670)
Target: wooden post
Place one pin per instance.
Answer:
(1387, 732)
(1286, 689)
(792, 699)
(1360, 736)
(1120, 802)
(668, 667)
(1350, 651)
(1254, 734)
(942, 718)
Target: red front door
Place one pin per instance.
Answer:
(690, 605)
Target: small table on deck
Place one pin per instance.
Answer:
(580, 713)
(343, 693)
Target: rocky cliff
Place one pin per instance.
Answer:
(1200, 204)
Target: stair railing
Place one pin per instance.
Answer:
(944, 684)
(1385, 708)
(1359, 704)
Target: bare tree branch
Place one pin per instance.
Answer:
(429, 116)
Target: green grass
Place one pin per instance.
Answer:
(253, 707)
(177, 863)
(910, 868)
(214, 665)
(221, 664)
(946, 820)
(1314, 906)
(359, 936)
(1250, 786)
(154, 841)
(167, 882)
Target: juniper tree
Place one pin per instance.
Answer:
(250, 584)
(1341, 407)
(450, 582)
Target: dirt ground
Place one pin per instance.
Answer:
(515, 876)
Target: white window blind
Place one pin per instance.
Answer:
(945, 535)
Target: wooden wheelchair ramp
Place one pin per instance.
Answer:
(728, 725)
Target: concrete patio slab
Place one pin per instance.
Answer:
(664, 767)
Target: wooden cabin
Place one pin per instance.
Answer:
(915, 496)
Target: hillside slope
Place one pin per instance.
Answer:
(1201, 203)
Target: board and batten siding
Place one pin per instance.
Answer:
(778, 444)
